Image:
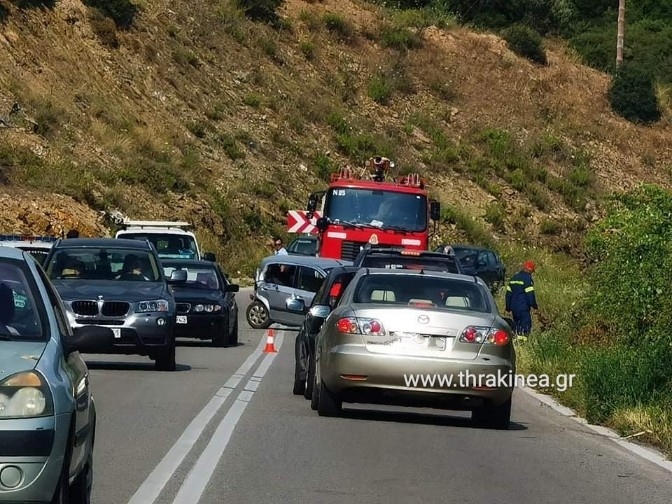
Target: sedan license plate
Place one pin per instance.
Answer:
(117, 332)
(181, 319)
(420, 342)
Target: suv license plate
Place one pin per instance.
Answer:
(117, 332)
(181, 319)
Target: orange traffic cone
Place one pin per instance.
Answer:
(270, 342)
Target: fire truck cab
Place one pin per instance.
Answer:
(372, 207)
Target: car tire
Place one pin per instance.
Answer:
(494, 417)
(257, 315)
(80, 491)
(315, 393)
(165, 361)
(310, 377)
(221, 339)
(328, 403)
(233, 337)
(299, 384)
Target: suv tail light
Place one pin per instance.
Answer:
(484, 335)
(368, 326)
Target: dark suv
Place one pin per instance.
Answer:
(119, 284)
(481, 262)
(402, 258)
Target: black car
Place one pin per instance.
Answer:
(303, 245)
(328, 294)
(402, 258)
(206, 302)
(119, 284)
(481, 262)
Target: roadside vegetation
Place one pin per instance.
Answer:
(641, 88)
(606, 319)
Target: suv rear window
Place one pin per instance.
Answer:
(409, 262)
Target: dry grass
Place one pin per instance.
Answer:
(188, 79)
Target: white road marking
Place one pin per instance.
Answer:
(198, 478)
(649, 454)
(159, 477)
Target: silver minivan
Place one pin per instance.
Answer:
(281, 278)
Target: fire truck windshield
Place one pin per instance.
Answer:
(378, 208)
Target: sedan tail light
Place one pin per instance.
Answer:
(353, 325)
(484, 335)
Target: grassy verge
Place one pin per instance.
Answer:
(615, 384)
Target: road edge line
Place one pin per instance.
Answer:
(650, 454)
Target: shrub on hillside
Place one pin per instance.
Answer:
(632, 252)
(525, 42)
(261, 10)
(122, 12)
(633, 95)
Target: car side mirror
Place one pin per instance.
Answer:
(178, 276)
(322, 223)
(209, 256)
(232, 288)
(320, 311)
(90, 339)
(297, 305)
(434, 210)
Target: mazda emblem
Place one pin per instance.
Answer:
(423, 319)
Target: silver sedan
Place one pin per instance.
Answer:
(417, 338)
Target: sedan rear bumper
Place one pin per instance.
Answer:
(357, 375)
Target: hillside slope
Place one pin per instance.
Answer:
(194, 112)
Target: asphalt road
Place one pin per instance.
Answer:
(226, 428)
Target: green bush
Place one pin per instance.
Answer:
(633, 95)
(261, 10)
(122, 12)
(526, 42)
(632, 252)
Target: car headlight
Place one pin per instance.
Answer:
(158, 305)
(25, 395)
(209, 308)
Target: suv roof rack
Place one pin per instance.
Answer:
(156, 224)
(27, 238)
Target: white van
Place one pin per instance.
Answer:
(172, 239)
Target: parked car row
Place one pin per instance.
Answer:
(87, 295)
(366, 326)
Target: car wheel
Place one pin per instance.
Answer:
(315, 393)
(221, 339)
(328, 403)
(62, 493)
(310, 377)
(494, 417)
(80, 491)
(258, 316)
(299, 383)
(166, 360)
(233, 337)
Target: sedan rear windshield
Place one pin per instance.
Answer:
(418, 290)
(409, 262)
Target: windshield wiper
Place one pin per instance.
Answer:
(397, 228)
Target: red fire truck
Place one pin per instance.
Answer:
(371, 207)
